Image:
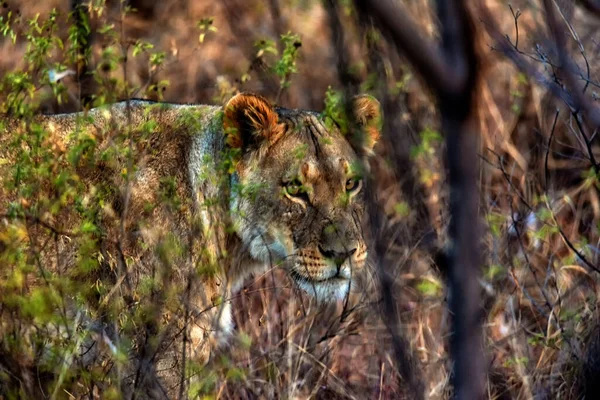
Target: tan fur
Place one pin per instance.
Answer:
(261, 117)
(228, 222)
(368, 114)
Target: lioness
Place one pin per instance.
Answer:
(185, 202)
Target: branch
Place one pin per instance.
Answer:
(574, 98)
(403, 357)
(423, 54)
(83, 37)
(567, 64)
(32, 219)
(452, 72)
(507, 48)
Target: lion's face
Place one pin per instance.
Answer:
(300, 199)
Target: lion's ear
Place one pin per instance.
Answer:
(249, 120)
(367, 112)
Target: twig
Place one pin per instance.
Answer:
(582, 103)
(516, 16)
(582, 257)
(37, 221)
(546, 174)
(507, 48)
(587, 142)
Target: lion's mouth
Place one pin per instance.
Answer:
(324, 289)
(337, 277)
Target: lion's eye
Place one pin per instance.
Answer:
(352, 184)
(294, 188)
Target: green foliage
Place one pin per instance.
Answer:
(496, 223)
(424, 154)
(511, 362)
(300, 152)
(53, 282)
(205, 25)
(591, 179)
(426, 148)
(286, 65)
(283, 67)
(66, 279)
(6, 26)
(430, 287)
(62, 265)
(141, 47)
(334, 113)
(494, 271)
(79, 31)
(401, 85)
(264, 47)
(402, 209)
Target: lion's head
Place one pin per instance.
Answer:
(298, 195)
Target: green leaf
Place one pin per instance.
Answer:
(429, 287)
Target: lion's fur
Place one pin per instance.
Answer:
(197, 202)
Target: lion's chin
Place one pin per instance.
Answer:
(329, 290)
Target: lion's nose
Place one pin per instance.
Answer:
(337, 257)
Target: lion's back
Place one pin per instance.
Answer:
(106, 201)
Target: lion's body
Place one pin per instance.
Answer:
(185, 201)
